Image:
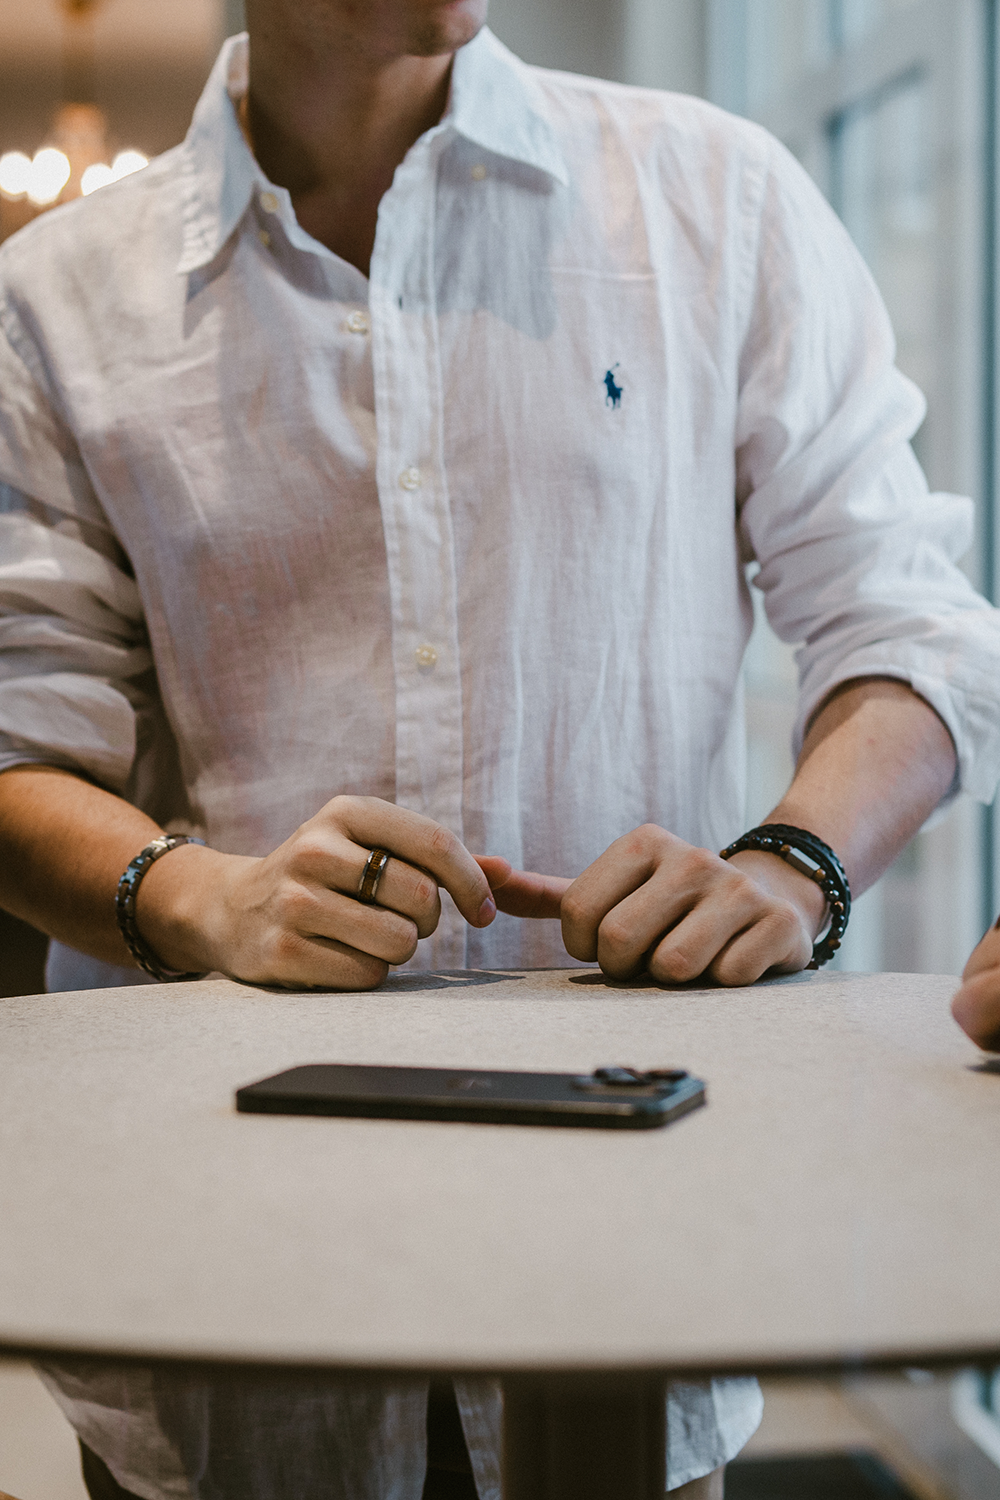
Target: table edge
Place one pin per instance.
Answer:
(794, 1363)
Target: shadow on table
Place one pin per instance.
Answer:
(703, 982)
(460, 979)
(444, 979)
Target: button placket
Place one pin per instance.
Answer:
(416, 515)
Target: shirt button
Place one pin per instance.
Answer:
(478, 172)
(264, 238)
(269, 202)
(410, 479)
(425, 656)
(357, 323)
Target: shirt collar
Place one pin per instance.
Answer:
(220, 173)
(494, 102)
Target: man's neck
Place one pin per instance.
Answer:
(330, 117)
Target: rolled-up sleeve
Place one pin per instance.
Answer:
(74, 657)
(858, 561)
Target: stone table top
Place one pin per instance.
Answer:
(836, 1201)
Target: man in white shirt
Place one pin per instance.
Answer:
(379, 470)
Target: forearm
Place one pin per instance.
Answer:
(291, 917)
(875, 763)
(65, 843)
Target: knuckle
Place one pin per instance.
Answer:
(648, 839)
(785, 919)
(579, 941)
(730, 975)
(674, 964)
(427, 922)
(403, 953)
(743, 889)
(442, 841)
(286, 947)
(702, 862)
(735, 972)
(574, 910)
(294, 907)
(424, 891)
(401, 941)
(615, 935)
(309, 853)
(369, 971)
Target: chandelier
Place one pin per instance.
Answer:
(75, 158)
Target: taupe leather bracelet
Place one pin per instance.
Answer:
(128, 887)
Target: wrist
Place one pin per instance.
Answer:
(786, 884)
(808, 854)
(179, 908)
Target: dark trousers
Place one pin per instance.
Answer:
(449, 1468)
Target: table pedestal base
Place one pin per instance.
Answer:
(584, 1442)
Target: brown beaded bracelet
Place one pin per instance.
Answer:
(128, 887)
(790, 843)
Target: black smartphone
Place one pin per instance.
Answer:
(612, 1098)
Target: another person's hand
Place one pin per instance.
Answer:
(976, 1006)
(654, 903)
(292, 918)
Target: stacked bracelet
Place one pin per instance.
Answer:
(819, 863)
(128, 888)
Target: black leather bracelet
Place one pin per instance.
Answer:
(128, 888)
(790, 844)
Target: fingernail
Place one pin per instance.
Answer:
(487, 912)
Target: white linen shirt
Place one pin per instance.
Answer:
(469, 534)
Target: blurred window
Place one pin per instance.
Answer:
(886, 104)
(784, 39)
(882, 185)
(852, 20)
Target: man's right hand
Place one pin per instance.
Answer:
(292, 917)
(976, 1006)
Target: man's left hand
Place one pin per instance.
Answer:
(654, 903)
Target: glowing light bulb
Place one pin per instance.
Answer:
(15, 171)
(97, 175)
(49, 174)
(127, 162)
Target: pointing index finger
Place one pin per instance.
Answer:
(521, 892)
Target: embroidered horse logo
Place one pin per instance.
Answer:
(614, 396)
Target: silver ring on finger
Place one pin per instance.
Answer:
(371, 875)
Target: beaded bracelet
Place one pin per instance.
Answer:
(128, 889)
(790, 844)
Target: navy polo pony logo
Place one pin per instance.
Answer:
(614, 396)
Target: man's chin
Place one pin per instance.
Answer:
(449, 27)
